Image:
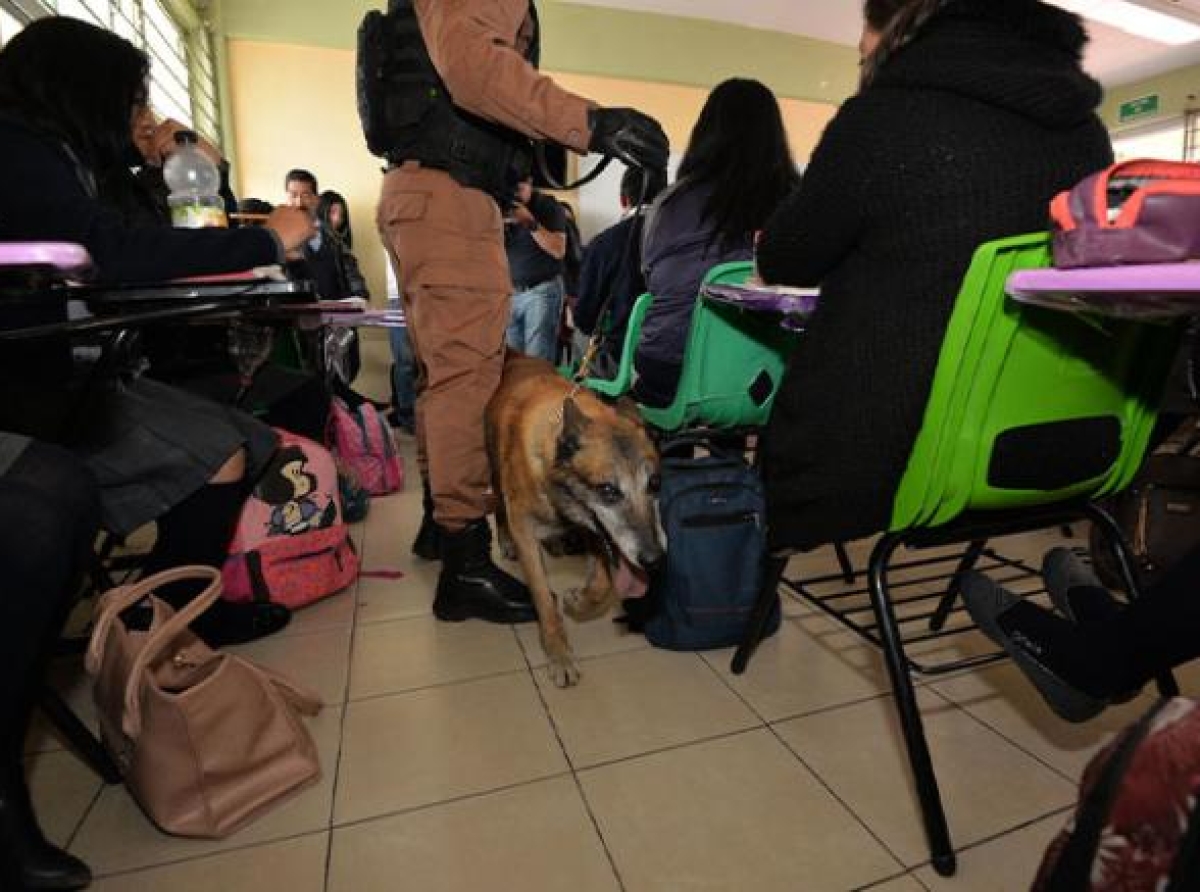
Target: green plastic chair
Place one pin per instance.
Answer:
(623, 381)
(1007, 367)
(1007, 373)
(732, 369)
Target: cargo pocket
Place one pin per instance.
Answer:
(403, 207)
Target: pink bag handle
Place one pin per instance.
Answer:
(114, 601)
(301, 699)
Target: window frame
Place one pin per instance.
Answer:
(197, 41)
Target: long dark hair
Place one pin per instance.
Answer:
(76, 83)
(325, 205)
(898, 22)
(740, 149)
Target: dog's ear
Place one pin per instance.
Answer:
(574, 424)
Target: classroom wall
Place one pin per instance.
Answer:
(1178, 91)
(591, 40)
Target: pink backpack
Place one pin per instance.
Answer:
(291, 545)
(363, 441)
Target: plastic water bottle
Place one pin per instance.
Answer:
(195, 185)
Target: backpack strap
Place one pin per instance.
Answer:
(1074, 868)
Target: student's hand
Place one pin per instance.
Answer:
(162, 144)
(522, 216)
(293, 226)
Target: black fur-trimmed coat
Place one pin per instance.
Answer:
(965, 135)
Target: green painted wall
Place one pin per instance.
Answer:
(1179, 91)
(605, 42)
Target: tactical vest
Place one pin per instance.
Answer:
(407, 113)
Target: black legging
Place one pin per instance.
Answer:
(1159, 631)
(49, 515)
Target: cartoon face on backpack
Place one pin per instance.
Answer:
(288, 487)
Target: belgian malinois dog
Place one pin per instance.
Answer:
(566, 463)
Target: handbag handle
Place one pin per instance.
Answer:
(159, 638)
(116, 600)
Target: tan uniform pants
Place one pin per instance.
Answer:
(447, 248)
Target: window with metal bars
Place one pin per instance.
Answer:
(183, 82)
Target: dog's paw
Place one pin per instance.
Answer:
(563, 670)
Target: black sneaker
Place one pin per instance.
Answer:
(986, 601)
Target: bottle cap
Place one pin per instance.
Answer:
(186, 137)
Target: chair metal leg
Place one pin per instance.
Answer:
(765, 603)
(82, 741)
(938, 621)
(937, 833)
(843, 559)
(1167, 685)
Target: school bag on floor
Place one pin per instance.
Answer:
(713, 512)
(291, 546)
(363, 441)
(1136, 825)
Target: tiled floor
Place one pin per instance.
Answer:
(451, 763)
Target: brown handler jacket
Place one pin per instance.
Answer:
(476, 48)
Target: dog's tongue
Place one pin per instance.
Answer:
(630, 581)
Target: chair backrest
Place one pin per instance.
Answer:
(733, 364)
(623, 380)
(1029, 406)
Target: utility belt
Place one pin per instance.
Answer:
(497, 180)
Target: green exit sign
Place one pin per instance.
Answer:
(1142, 107)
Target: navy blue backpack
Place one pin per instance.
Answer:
(713, 513)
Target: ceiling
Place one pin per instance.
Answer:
(1113, 56)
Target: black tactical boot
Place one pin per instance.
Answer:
(428, 544)
(471, 586)
(27, 860)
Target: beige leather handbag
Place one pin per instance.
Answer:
(207, 741)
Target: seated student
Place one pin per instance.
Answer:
(611, 277)
(324, 253)
(333, 216)
(736, 170)
(47, 494)
(1092, 650)
(157, 454)
(972, 114)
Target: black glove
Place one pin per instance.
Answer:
(630, 136)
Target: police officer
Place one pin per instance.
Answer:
(462, 115)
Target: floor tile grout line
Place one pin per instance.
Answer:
(820, 780)
(345, 707)
(529, 666)
(587, 805)
(1006, 738)
(91, 806)
(200, 856)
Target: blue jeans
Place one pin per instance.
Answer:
(533, 324)
(402, 374)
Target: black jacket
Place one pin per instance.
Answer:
(964, 136)
(610, 280)
(45, 195)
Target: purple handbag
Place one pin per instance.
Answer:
(1142, 211)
